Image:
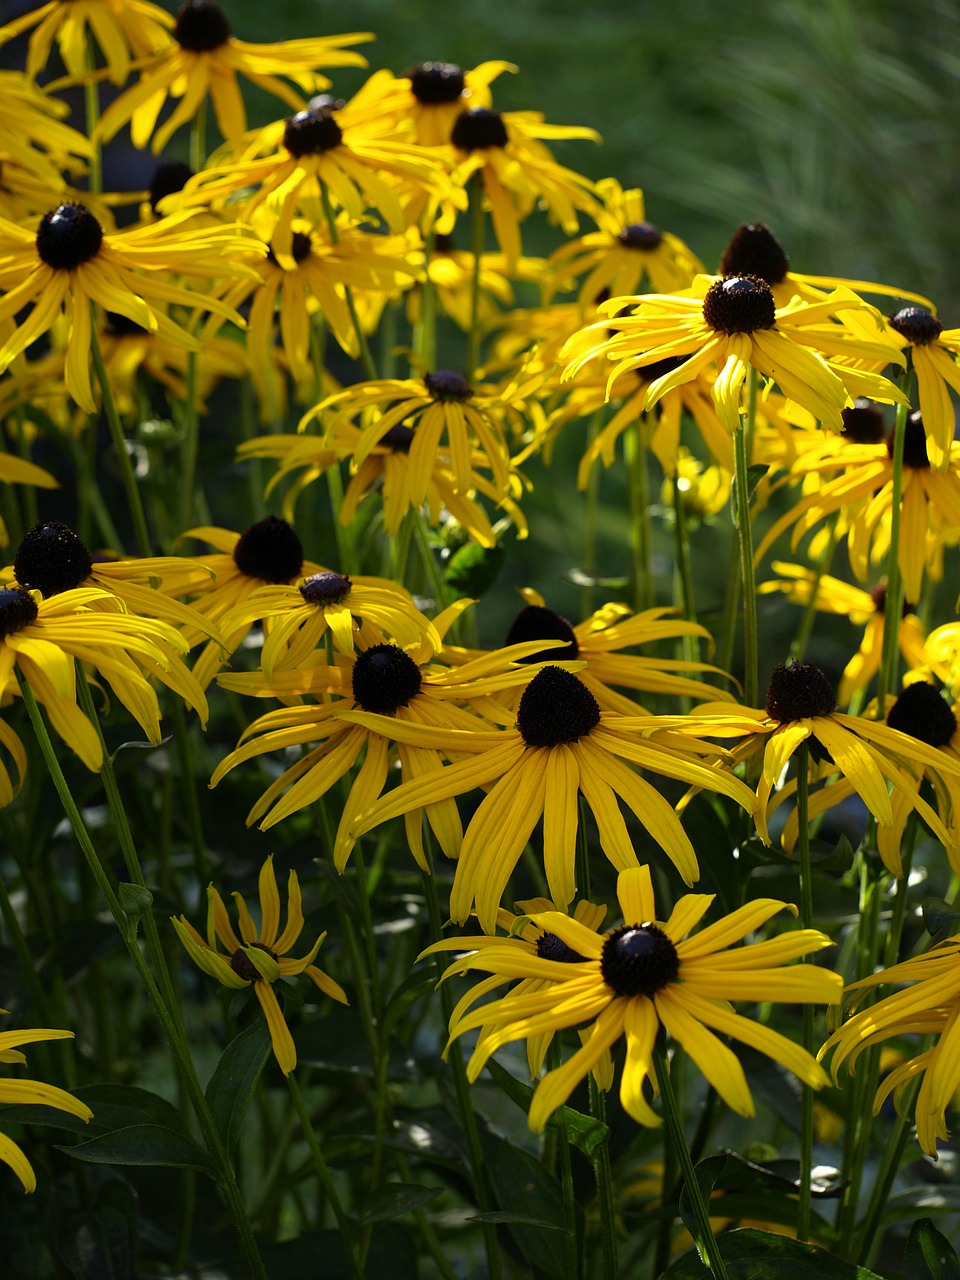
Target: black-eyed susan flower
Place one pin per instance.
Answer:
(204, 59)
(734, 323)
(434, 94)
(559, 745)
(930, 1006)
(933, 354)
(647, 975)
(259, 957)
(451, 272)
(70, 261)
(31, 1092)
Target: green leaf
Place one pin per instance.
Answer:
(323, 1253)
(143, 1144)
(930, 1255)
(102, 1240)
(395, 1199)
(706, 1173)
(140, 745)
(114, 1106)
(136, 900)
(233, 1083)
(472, 570)
(586, 1133)
(519, 1179)
(515, 1218)
(750, 1254)
(938, 916)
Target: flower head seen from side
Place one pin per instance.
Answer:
(930, 1006)
(31, 1092)
(933, 354)
(259, 957)
(647, 975)
(436, 93)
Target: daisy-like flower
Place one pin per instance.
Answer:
(31, 1092)
(70, 261)
(863, 608)
(704, 491)
(434, 94)
(624, 250)
(204, 60)
(933, 353)
(33, 132)
(517, 171)
(645, 975)
(124, 30)
(451, 271)
(259, 958)
(560, 745)
(41, 639)
(734, 322)
(930, 1006)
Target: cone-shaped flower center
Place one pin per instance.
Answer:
(17, 610)
(68, 236)
(171, 176)
(556, 707)
(798, 691)
(739, 304)
(325, 588)
(301, 246)
(311, 132)
(914, 443)
(201, 26)
(243, 966)
(477, 129)
(398, 439)
(639, 960)
(755, 251)
(550, 947)
(51, 558)
(925, 714)
(385, 678)
(641, 235)
(917, 325)
(863, 423)
(537, 623)
(447, 384)
(269, 550)
(435, 82)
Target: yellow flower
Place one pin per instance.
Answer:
(646, 975)
(204, 59)
(33, 132)
(124, 30)
(933, 353)
(704, 491)
(434, 94)
(258, 957)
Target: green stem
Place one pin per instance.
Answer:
(572, 1241)
(731, 600)
(745, 541)
(425, 330)
(641, 571)
(124, 462)
(806, 922)
(888, 676)
(604, 1178)
(366, 356)
(429, 560)
(477, 230)
(189, 446)
(805, 629)
(590, 520)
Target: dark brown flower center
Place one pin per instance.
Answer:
(325, 588)
(398, 439)
(537, 623)
(443, 243)
(446, 384)
(798, 691)
(269, 550)
(924, 714)
(384, 679)
(68, 236)
(556, 707)
(914, 443)
(739, 304)
(171, 176)
(863, 423)
(878, 595)
(641, 235)
(17, 610)
(550, 947)
(301, 246)
(639, 960)
(311, 132)
(755, 251)
(918, 325)
(243, 966)
(201, 26)
(51, 558)
(479, 128)
(436, 82)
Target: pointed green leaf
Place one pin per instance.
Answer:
(930, 1255)
(143, 1144)
(233, 1083)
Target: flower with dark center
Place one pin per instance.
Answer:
(477, 129)
(385, 678)
(325, 588)
(739, 304)
(534, 622)
(919, 326)
(312, 132)
(863, 423)
(923, 713)
(436, 82)
(550, 947)
(446, 385)
(68, 236)
(914, 443)
(170, 177)
(270, 550)
(755, 251)
(799, 691)
(641, 235)
(556, 707)
(398, 439)
(243, 966)
(51, 558)
(301, 246)
(17, 610)
(639, 960)
(201, 26)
